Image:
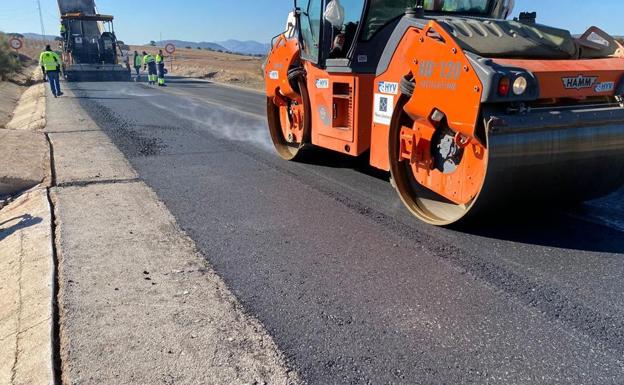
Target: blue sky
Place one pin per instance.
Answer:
(215, 20)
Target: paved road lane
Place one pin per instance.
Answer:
(352, 288)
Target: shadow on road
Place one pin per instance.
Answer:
(182, 80)
(550, 228)
(99, 98)
(21, 222)
(331, 159)
(565, 228)
(76, 88)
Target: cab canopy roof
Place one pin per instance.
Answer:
(83, 17)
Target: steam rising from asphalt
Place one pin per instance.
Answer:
(222, 121)
(231, 124)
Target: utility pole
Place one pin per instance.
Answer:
(41, 21)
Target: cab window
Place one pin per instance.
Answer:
(310, 28)
(382, 12)
(457, 6)
(344, 36)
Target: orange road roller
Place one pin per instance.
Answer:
(467, 110)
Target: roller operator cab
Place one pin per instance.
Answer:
(468, 111)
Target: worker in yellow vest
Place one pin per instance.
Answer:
(50, 64)
(63, 31)
(138, 63)
(149, 64)
(160, 62)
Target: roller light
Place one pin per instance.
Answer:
(520, 85)
(504, 86)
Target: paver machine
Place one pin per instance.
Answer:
(467, 110)
(90, 47)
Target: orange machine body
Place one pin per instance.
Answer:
(284, 54)
(443, 76)
(353, 113)
(341, 103)
(445, 80)
(341, 110)
(559, 78)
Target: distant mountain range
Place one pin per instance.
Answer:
(235, 46)
(248, 47)
(34, 36)
(192, 44)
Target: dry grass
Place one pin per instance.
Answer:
(32, 48)
(240, 70)
(28, 59)
(9, 60)
(18, 79)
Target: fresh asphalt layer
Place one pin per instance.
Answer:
(351, 287)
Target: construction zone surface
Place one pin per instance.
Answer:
(241, 70)
(226, 68)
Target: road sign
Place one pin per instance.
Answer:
(16, 43)
(170, 48)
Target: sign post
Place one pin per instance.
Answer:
(170, 49)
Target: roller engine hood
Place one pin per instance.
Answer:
(510, 39)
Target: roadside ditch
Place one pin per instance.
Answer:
(29, 322)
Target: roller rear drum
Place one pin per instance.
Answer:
(518, 165)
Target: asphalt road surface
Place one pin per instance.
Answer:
(351, 287)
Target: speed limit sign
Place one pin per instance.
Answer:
(170, 48)
(16, 43)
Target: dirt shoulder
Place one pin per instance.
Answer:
(12, 88)
(11, 91)
(9, 95)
